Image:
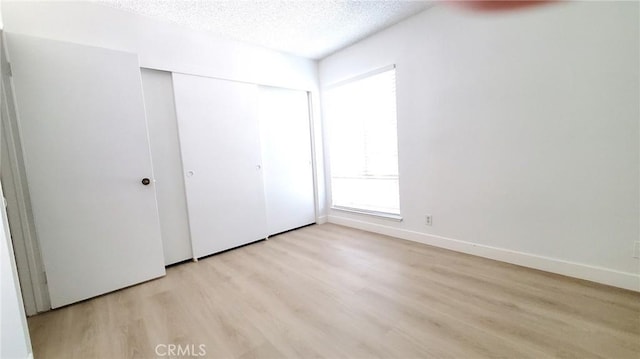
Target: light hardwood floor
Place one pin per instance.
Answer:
(334, 292)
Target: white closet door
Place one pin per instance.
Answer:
(167, 165)
(286, 156)
(84, 137)
(220, 146)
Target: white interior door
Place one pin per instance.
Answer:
(286, 156)
(86, 151)
(220, 146)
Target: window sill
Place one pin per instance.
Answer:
(383, 215)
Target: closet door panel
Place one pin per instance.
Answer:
(86, 150)
(167, 165)
(286, 155)
(220, 145)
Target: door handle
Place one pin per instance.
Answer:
(145, 181)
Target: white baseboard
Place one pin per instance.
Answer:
(606, 276)
(321, 220)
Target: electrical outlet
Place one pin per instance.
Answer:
(428, 220)
(636, 249)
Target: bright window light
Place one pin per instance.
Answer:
(361, 115)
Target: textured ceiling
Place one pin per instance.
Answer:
(312, 29)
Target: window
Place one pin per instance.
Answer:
(361, 115)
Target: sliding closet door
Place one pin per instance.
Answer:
(220, 145)
(167, 165)
(286, 155)
(86, 153)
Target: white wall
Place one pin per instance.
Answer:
(161, 45)
(518, 131)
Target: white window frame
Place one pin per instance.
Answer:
(349, 209)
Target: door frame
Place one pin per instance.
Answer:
(314, 159)
(31, 272)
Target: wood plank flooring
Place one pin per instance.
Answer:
(334, 292)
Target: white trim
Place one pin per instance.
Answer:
(383, 215)
(314, 164)
(321, 219)
(201, 74)
(360, 76)
(606, 276)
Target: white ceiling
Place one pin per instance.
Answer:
(312, 29)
